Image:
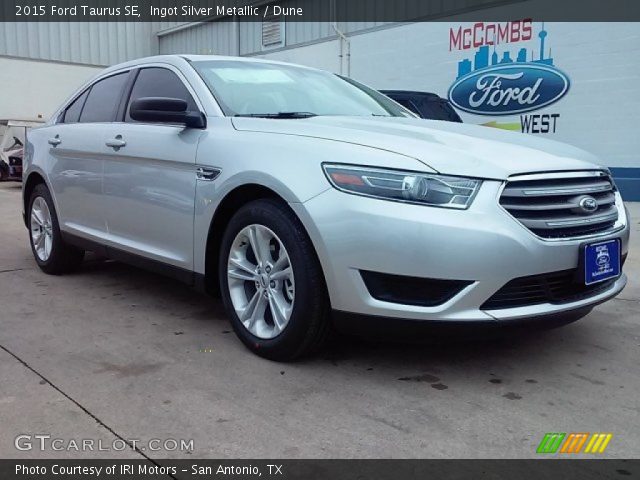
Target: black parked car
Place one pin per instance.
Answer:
(425, 104)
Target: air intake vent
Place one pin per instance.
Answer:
(423, 292)
(272, 31)
(556, 288)
(582, 203)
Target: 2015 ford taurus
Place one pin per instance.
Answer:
(304, 198)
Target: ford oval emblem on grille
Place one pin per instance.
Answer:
(588, 204)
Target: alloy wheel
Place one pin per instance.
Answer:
(41, 228)
(261, 281)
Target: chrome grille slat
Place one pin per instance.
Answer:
(604, 199)
(547, 190)
(534, 223)
(550, 207)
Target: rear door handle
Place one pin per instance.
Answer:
(116, 143)
(55, 141)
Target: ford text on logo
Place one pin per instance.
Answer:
(509, 89)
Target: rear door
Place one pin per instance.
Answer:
(150, 175)
(75, 161)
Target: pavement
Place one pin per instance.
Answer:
(114, 353)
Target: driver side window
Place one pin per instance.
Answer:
(159, 82)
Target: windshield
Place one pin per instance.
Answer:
(283, 91)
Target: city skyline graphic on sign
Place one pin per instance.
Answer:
(483, 59)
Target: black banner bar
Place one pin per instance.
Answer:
(374, 11)
(544, 469)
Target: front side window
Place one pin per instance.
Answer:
(256, 89)
(159, 82)
(103, 100)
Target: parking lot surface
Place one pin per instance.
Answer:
(113, 352)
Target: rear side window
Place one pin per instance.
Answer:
(103, 99)
(72, 113)
(159, 82)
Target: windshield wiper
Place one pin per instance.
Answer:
(277, 115)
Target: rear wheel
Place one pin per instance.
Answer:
(51, 253)
(272, 284)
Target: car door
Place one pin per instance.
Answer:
(75, 162)
(150, 175)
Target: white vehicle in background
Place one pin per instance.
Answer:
(12, 139)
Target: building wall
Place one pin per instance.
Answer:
(300, 33)
(323, 55)
(92, 43)
(42, 63)
(212, 38)
(33, 89)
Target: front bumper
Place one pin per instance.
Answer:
(484, 245)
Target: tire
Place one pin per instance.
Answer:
(303, 294)
(52, 254)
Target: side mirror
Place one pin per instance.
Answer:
(165, 110)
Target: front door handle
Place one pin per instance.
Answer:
(55, 141)
(116, 143)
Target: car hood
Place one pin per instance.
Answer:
(446, 147)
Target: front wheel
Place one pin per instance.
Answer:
(272, 283)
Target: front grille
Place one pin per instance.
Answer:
(423, 292)
(551, 207)
(557, 288)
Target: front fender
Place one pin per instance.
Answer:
(289, 165)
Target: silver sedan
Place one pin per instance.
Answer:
(306, 201)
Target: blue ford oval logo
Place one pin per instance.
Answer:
(509, 89)
(588, 204)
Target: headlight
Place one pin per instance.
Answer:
(401, 186)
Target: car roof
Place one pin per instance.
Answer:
(177, 59)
